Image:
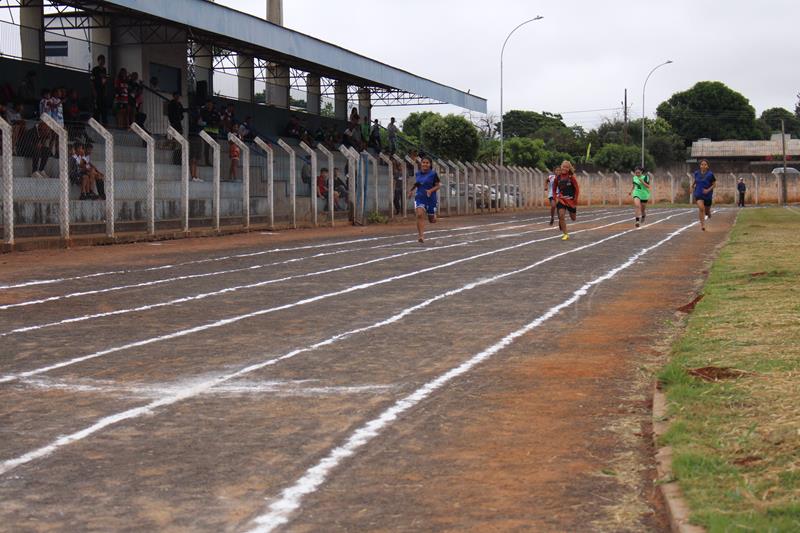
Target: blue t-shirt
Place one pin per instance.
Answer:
(703, 181)
(425, 182)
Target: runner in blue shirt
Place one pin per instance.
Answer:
(426, 183)
(703, 190)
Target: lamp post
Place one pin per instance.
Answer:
(502, 50)
(667, 62)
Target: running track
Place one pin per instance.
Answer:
(241, 390)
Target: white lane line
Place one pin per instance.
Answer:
(197, 388)
(224, 322)
(227, 290)
(290, 499)
(233, 270)
(243, 255)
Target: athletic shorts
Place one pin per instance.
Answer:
(643, 201)
(568, 208)
(706, 201)
(429, 207)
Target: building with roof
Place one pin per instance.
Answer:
(747, 156)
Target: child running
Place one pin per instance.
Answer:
(426, 184)
(566, 196)
(640, 190)
(704, 182)
(548, 186)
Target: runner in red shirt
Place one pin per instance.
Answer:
(566, 196)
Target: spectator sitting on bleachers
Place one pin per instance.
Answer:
(44, 102)
(322, 188)
(57, 105)
(246, 130)
(305, 170)
(78, 174)
(94, 173)
(348, 137)
(339, 185)
(294, 129)
(14, 117)
(35, 143)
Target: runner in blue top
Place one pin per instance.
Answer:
(703, 190)
(426, 184)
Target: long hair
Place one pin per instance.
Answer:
(571, 167)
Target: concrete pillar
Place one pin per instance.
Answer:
(313, 101)
(364, 104)
(340, 101)
(100, 42)
(275, 12)
(278, 85)
(31, 18)
(247, 88)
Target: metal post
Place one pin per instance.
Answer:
(667, 62)
(691, 178)
(755, 179)
(215, 149)
(446, 182)
(180, 139)
(109, 174)
(331, 205)
(390, 167)
(374, 162)
(671, 187)
(8, 182)
(63, 174)
(270, 179)
(292, 179)
(313, 191)
(405, 181)
(151, 176)
(245, 150)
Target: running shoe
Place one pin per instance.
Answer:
(637, 224)
(552, 221)
(420, 240)
(565, 237)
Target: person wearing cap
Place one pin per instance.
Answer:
(742, 188)
(640, 191)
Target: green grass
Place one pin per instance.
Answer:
(736, 442)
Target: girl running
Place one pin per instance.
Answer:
(640, 191)
(549, 184)
(566, 196)
(704, 182)
(426, 184)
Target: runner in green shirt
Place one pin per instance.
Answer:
(640, 190)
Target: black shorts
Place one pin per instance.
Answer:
(706, 201)
(572, 210)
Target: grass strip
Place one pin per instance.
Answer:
(733, 383)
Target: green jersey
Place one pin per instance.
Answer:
(639, 190)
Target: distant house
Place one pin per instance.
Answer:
(746, 156)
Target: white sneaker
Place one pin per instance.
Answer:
(36, 174)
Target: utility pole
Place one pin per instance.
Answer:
(783, 176)
(625, 124)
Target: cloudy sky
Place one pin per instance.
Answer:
(581, 56)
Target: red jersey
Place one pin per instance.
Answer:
(567, 190)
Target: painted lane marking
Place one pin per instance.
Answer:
(201, 387)
(281, 509)
(201, 296)
(234, 270)
(239, 256)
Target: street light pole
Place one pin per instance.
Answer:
(667, 62)
(502, 50)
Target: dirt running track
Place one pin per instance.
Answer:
(343, 380)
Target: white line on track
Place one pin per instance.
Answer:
(228, 290)
(235, 270)
(290, 499)
(201, 387)
(249, 254)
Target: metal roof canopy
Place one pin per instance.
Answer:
(254, 36)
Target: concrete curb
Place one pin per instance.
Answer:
(677, 508)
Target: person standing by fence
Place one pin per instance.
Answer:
(391, 131)
(742, 188)
(704, 182)
(99, 83)
(640, 190)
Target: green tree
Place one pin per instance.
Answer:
(797, 107)
(519, 123)
(488, 151)
(710, 109)
(524, 151)
(771, 118)
(622, 158)
(450, 137)
(412, 123)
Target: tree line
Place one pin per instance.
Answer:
(709, 109)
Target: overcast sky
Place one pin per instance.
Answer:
(581, 56)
